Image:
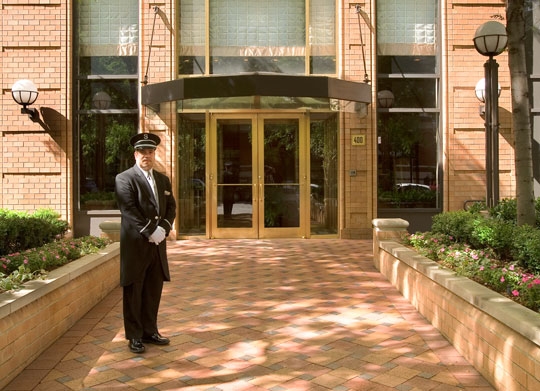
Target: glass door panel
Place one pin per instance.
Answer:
(234, 178)
(281, 175)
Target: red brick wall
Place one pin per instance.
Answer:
(464, 128)
(359, 192)
(36, 158)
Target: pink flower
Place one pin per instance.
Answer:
(502, 279)
(515, 292)
(474, 256)
(511, 267)
(26, 261)
(482, 268)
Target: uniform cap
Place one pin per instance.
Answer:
(145, 141)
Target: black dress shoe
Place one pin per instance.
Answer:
(156, 339)
(136, 345)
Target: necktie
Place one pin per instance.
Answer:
(152, 184)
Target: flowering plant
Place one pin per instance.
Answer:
(30, 264)
(480, 265)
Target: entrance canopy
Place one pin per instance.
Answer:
(255, 84)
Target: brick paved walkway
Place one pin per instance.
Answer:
(270, 315)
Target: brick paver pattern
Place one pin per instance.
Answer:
(271, 315)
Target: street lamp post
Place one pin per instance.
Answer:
(490, 40)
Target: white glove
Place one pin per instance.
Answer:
(157, 236)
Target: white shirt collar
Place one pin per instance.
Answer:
(145, 172)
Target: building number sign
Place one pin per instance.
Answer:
(359, 139)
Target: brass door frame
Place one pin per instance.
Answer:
(258, 229)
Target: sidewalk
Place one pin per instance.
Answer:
(270, 315)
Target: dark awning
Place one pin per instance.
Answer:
(255, 84)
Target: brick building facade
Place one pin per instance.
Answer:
(51, 43)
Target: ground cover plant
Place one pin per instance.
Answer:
(20, 262)
(489, 248)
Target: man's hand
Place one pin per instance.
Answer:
(157, 236)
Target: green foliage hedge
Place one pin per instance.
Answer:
(499, 233)
(21, 230)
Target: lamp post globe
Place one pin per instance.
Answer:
(490, 38)
(480, 90)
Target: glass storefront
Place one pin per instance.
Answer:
(257, 182)
(408, 125)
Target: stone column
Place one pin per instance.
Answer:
(386, 229)
(111, 230)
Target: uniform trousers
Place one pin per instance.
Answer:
(141, 302)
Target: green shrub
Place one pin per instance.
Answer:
(494, 234)
(457, 224)
(525, 248)
(476, 207)
(537, 208)
(21, 230)
(505, 210)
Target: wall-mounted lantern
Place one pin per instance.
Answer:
(25, 93)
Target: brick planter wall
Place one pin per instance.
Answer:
(499, 337)
(33, 318)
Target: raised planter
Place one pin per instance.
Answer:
(33, 318)
(499, 337)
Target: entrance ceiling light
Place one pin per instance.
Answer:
(385, 99)
(101, 100)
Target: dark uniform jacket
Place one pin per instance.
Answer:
(140, 217)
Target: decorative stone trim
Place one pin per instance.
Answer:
(34, 317)
(499, 337)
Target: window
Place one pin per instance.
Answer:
(191, 171)
(408, 123)
(248, 36)
(107, 95)
(323, 173)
